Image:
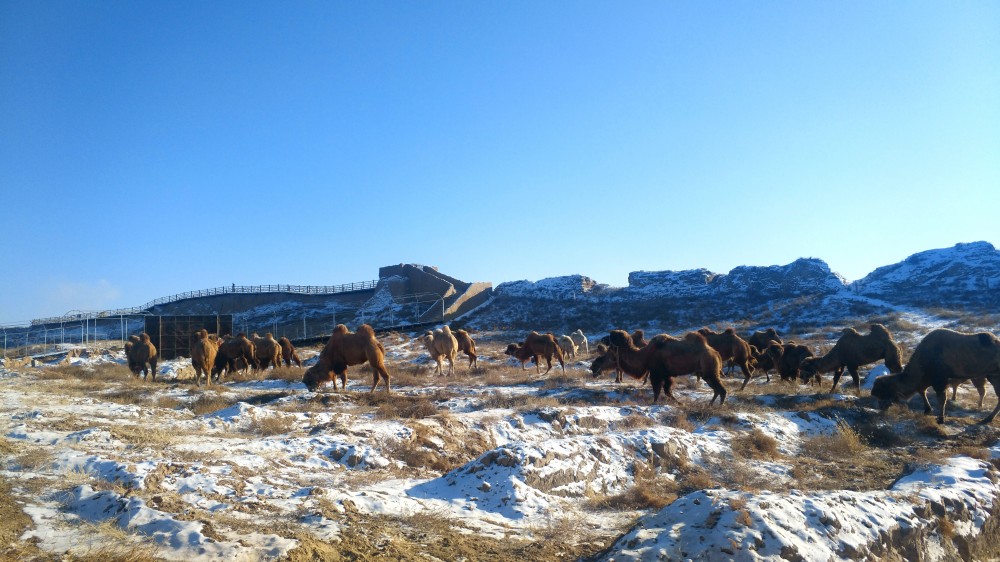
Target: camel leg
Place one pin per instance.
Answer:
(747, 375)
(995, 381)
(981, 388)
(837, 373)
(954, 390)
(942, 396)
(668, 383)
(856, 378)
(719, 389)
(548, 365)
(927, 403)
(657, 388)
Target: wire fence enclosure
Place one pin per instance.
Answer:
(304, 322)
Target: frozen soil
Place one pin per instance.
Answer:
(493, 464)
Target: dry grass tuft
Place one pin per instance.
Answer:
(649, 490)
(143, 436)
(287, 374)
(755, 445)
(634, 421)
(400, 406)
(210, 401)
(266, 426)
(846, 443)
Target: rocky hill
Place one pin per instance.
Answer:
(800, 296)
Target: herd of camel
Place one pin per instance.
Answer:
(213, 356)
(944, 358)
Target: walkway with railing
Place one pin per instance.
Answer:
(230, 290)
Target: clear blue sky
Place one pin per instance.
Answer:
(151, 148)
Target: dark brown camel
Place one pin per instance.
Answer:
(665, 357)
(787, 358)
(942, 358)
(851, 351)
(732, 348)
(534, 347)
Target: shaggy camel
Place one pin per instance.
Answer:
(142, 357)
(442, 344)
(129, 345)
(607, 361)
(203, 352)
(267, 352)
(567, 346)
(759, 341)
(580, 340)
(851, 351)
(732, 348)
(288, 353)
(762, 338)
(467, 346)
(535, 346)
(235, 353)
(665, 357)
(638, 338)
(942, 358)
(343, 350)
(787, 359)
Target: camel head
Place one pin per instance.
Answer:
(886, 391)
(809, 368)
(511, 349)
(313, 377)
(604, 363)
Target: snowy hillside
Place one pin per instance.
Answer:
(804, 294)
(496, 463)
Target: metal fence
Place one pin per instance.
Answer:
(230, 290)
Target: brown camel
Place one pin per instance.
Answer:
(203, 352)
(288, 354)
(467, 346)
(129, 345)
(607, 361)
(942, 358)
(142, 357)
(732, 348)
(343, 350)
(606, 364)
(536, 346)
(787, 358)
(441, 344)
(235, 353)
(266, 352)
(759, 341)
(851, 351)
(762, 338)
(665, 357)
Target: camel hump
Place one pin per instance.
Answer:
(446, 329)
(269, 336)
(730, 332)
(144, 337)
(618, 338)
(695, 337)
(987, 340)
(880, 330)
(340, 329)
(366, 330)
(850, 332)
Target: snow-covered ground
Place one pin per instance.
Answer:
(249, 470)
